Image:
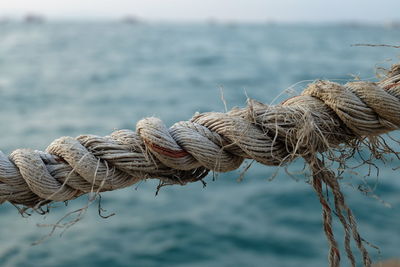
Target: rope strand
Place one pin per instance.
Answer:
(325, 116)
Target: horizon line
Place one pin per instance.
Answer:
(210, 20)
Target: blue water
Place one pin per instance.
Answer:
(70, 78)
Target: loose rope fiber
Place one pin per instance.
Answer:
(312, 125)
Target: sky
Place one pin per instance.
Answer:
(224, 10)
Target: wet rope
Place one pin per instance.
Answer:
(325, 116)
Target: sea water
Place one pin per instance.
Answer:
(71, 78)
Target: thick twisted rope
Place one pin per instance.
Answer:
(324, 116)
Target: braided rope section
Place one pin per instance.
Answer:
(325, 116)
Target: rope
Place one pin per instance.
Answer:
(325, 116)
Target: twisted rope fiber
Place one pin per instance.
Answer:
(323, 117)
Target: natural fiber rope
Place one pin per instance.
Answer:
(324, 116)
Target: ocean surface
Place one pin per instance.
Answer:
(71, 78)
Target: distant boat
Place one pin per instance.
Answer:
(33, 19)
(130, 19)
(392, 25)
(212, 21)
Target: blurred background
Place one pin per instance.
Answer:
(75, 67)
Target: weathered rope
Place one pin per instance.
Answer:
(324, 116)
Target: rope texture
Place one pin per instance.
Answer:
(324, 116)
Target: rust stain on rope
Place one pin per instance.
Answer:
(387, 87)
(166, 151)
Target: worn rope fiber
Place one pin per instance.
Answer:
(323, 117)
